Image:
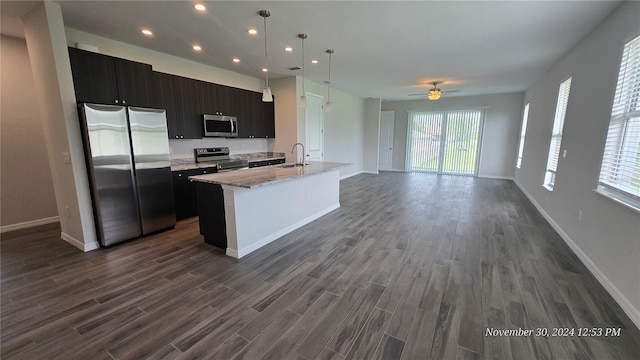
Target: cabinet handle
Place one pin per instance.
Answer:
(176, 136)
(179, 175)
(124, 102)
(205, 171)
(181, 136)
(116, 101)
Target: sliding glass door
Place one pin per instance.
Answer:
(444, 142)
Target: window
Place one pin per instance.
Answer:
(523, 131)
(556, 134)
(444, 142)
(620, 171)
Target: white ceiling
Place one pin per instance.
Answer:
(383, 49)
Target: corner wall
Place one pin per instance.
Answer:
(499, 138)
(607, 239)
(27, 195)
(371, 135)
(46, 41)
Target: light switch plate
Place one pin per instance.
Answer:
(66, 157)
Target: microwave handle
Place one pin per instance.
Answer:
(232, 126)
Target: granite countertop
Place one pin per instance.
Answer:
(261, 176)
(189, 163)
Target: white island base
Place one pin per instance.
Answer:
(257, 216)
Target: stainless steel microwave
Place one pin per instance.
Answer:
(220, 125)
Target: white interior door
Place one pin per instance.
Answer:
(385, 145)
(314, 128)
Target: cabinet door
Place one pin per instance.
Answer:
(166, 91)
(247, 125)
(190, 114)
(267, 119)
(94, 77)
(181, 194)
(135, 83)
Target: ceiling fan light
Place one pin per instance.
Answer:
(266, 95)
(433, 95)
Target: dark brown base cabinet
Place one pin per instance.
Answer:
(184, 192)
(212, 221)
(266, 163)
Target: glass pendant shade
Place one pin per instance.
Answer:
(434, 95)
(266, 95)
(302, 102)
(327, 106)
(266, 92)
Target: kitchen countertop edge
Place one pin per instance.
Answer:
(261, 176)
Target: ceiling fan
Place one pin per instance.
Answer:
(435, 92)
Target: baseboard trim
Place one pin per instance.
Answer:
(495, 177)
(625, 304)
(79, 244)
(268, 239)
(350, 175)
(29, 224)
(370, 172)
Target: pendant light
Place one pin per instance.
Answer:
(327, 105)
(266, 92)
(303, 98)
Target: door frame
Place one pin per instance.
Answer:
(393, 120)
(306, 124)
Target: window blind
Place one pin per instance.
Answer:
(556, 133)
(444, 142)
(620, 169)
(523, 131)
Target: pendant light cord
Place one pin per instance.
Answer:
(265, 52)
(329, 87)
(303, 92)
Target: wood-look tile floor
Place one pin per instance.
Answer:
(412, 266)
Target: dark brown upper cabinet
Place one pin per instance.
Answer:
(103, 79)
(181, 98)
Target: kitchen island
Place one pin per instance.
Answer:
(241, 211)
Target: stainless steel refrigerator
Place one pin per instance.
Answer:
(129, 165)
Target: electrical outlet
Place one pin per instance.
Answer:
(579, 215)
(564, 153)
(66, 157)
(66, 209)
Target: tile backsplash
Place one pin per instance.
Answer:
(183, 149)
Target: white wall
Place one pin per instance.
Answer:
(371, 135)
(286, 115)
(343, 128)
(46, 42)
(27, 190)
(500, 135)
(182, 67)
(608, 237)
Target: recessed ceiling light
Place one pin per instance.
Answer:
(236, 60)
(264, 70)
(314, 61)
(252, 32)
(197, 48)
(147, 32)
(288, 49)
(200, 7)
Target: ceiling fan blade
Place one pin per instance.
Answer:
(418, 94)
(450, 91)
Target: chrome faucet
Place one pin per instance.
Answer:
(294, 147)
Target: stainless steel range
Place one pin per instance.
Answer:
(220, 156)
